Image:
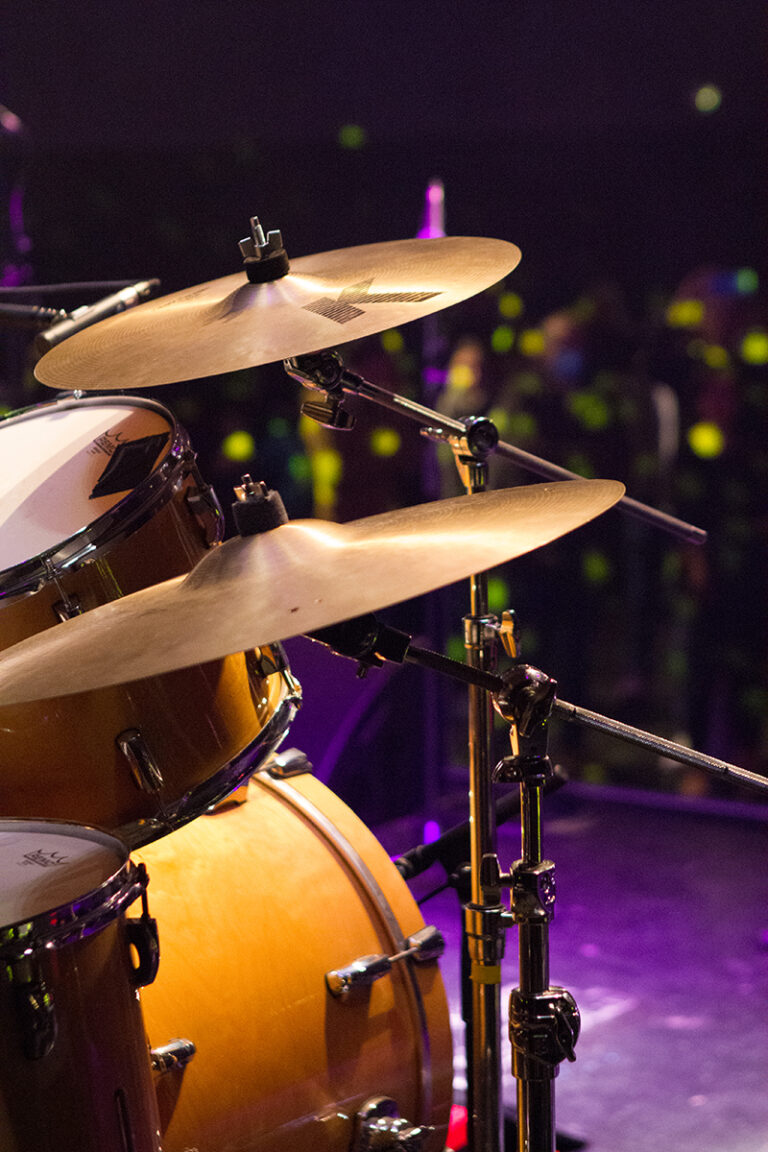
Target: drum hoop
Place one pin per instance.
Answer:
(78, 918)
(351, 856)
(119, 521)
(204, 796)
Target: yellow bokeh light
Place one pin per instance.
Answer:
(238, 446)
(531, 342)
(510, 305)
(708, 98)
(715, 356)
(685, 313)
(754, 347)
(385, 442)
(461, 377)
(327, 466)
(706, 440)
(392, 341)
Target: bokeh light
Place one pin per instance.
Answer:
(430, 832)
(461, 377)
(747, 281)
(708, 98)
(238, 446)
(498, 594)
(531, 342)
(715, 356)
(685, 313)
(754, 347)
(706, 440)
(327, 467)
(510, 305)
(353, 137)
(596, 568)
(502, 338)
(590, 410)
(385, 442)
(392, 341)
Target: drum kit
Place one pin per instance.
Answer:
(284, 992)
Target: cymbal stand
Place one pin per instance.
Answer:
(325, 372)
(483, 915)
(544, 1021)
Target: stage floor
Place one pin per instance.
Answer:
(661, 934)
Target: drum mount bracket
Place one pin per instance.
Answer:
(380, 1128)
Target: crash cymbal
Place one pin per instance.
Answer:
(324, 300)
(295, 578)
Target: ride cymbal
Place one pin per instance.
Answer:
(323, 301)
(298, 577)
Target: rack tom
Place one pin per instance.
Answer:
(98, 499)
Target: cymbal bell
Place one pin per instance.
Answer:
(293, 579)
(324, 300)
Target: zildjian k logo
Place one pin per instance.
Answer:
(342, 309)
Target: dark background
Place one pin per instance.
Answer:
(152, 132)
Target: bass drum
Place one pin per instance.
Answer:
(255, 904)
(99, 499)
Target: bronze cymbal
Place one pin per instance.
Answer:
(295, 578)
(324, 300)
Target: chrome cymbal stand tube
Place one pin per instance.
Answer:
(544, 1021)
(483, 915)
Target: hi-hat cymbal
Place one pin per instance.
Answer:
(295, 578)
(324, 300)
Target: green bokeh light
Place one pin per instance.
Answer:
(502, 338)
(747, 281)
(596, 567)
(589, 409)
(498, 594)
(278, 428)
(300, 468)
(455, 649)
(353, 137)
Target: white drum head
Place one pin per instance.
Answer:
(45, 866)
(64, 466)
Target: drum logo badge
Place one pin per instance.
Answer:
(44, 859)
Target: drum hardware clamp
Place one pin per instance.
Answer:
(68, 606)
(425, 945)
(176, 1054)
(380, 1128)
(144, 767)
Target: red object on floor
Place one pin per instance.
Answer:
(457, 1129)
